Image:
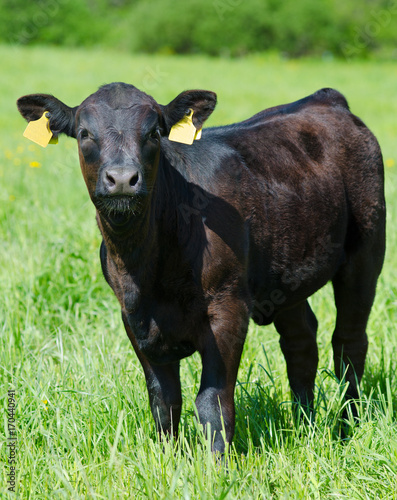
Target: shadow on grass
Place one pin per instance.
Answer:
(262, 419)
(380, 385)
(267, 421)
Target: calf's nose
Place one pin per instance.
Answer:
(121, 181)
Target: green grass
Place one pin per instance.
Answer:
(83, 420)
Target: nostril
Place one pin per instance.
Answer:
(134, 180)
(110, 179)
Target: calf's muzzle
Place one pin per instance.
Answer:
(119, 181)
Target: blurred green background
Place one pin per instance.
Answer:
(327, 28)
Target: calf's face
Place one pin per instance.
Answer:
(118, 130)
(118, 137)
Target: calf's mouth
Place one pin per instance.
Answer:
(118, 208)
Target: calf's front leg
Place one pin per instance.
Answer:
(164, 389)
(220, 354)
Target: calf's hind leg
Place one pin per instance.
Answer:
(298, 328)
(354, 290)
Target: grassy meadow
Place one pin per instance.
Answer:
(83, 420)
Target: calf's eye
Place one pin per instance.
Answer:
(154, 134)
(84, 134)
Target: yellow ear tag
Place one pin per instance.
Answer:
(39, 131)
(184, 131)
(197, 137)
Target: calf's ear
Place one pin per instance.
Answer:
(61, 116)
(202, 102)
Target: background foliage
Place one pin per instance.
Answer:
(216, 27)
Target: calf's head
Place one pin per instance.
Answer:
(118, 130)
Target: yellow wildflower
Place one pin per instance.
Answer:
(390, 162)
(34, 164)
